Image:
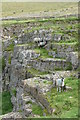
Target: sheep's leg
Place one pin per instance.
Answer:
(62, 88)
(59, 88)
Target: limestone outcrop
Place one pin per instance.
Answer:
(33, 59)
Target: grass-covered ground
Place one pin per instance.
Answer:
(43, 53)
(6, 103)
(20, 9)
(65, 103)
(36, 109)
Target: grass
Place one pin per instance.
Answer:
(65, 43)
(36, 72)
(69, 66)
(0, 103)
(43, 53)
(43, 21)
(9, 8)
(58, 68)
(9, 59)
(10, 47)
(6, 102)
(29, 102)
(9, 22)
(14, 91)
(22, 45)
(65, 103)
(3, 63)
(36, 109)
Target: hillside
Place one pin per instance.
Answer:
(25, 9)
(36, 53)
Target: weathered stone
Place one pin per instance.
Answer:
(12, 115)
(28, 54)
(38, 91)
(52, 53)
(34, 89)
(74, 59)
(57, 37)
(48, 64)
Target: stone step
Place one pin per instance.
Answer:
(62, 47)
(49, 64)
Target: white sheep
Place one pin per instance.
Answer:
(60, 84)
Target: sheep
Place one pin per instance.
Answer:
(60, 84)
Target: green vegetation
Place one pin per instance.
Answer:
(14, 91)
(22, 45)
(36, 109)
(43, 53)
(6, 102)
(9, 22)
(43, 24)
(29, 102)
(9, 59)
(3, 63)
(65, 43)
(36, 72)
(10, 47)
(69, 42)
(58, 68)
(0, 103)
(69, 66)
(0, 65)
(21, 8)
(47, 82)
(65, 103)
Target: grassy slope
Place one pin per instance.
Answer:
(9, 7)
(66, 103)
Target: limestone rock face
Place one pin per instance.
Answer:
(25, 38)
(74, 59)
(48, 64)
(25, 87)
(38, 88)
(28, 54)
(17, 73)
